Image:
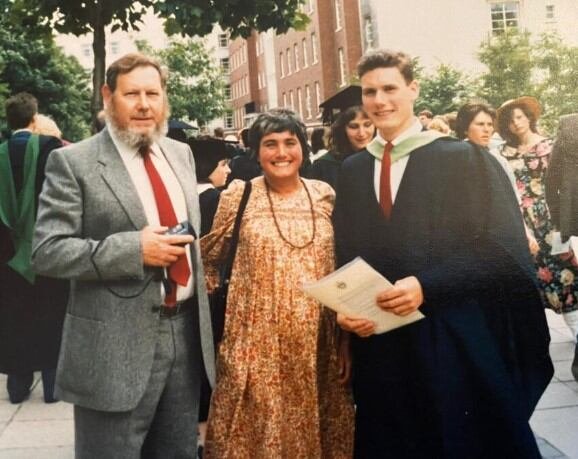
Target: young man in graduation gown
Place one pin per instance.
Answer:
(439, 219)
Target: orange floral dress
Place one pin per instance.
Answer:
(277, 392)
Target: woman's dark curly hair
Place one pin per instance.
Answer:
(278, 120)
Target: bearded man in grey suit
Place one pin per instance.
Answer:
(138, 321)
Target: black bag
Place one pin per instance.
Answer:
(218, 299)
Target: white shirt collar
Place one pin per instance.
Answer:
(415, 128)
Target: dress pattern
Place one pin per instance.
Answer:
(557, 278)
(277, 393)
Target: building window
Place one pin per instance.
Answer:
(550, 13)
(223, 40)
(225, 64)
(317, 95)
(114, 47)
(86, 50)
(305, 56)
(281, 64)
(308, 101)
(227, 91)
(296, 56)
(368, 33)
(289, 63)
(228, 120)
(259, 80)
(284, 100)
(338, 18)
(311, 6)
(314, 47)
(291, 100)
(263, 80)
(342, 67)
(299, 102)
(505, 15)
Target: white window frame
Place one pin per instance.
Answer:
(305, 54)
(338, 15)
(501, 16)
(296, 56)
(342, 67)
(314, 54)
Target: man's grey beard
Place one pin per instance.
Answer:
(134, 139)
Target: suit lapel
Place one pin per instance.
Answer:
(117, 178)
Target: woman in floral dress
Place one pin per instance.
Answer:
(279, 391)
(528, 154)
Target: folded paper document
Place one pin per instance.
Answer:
(352, 291)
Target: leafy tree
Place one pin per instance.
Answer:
(444, 91)
(187, 17)
(196, 87)
(557, 74)
(30, 61)
(508, 58)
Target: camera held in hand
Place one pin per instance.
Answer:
(182, 229)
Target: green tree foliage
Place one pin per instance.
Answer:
(443, 91)
(508, 58)
(557, 79)
(187, 17)
(195, 85)
(545, 68)
(30, 61)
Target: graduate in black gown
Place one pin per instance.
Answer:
(437, 217)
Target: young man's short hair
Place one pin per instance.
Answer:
(20, 110)
(385, 58)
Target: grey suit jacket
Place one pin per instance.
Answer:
(108, 342)
(562, 178)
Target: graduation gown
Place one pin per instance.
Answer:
(463, 382)
(31, 316)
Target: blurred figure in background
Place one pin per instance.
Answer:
(425, 118)
(528, 153)
(31, 307)
(438, 124)
(562, 198)
(319, 142)
(350, 133)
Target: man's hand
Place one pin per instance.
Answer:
(403, 298)
(361, 327)
(159, 249)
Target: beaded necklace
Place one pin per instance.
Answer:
(267, 189)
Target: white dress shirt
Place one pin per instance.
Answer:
(134, 163)
(398, 167)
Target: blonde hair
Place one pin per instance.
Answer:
(44, 125)
(437, 124)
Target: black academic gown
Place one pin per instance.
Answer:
(31, 316)
(463, 382)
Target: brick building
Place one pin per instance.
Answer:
(299, 69)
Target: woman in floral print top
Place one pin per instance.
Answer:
(528, 154)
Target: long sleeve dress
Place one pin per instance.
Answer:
(277, 392)
(558, 279)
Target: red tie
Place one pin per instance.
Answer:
(384, 181)
(179, 271)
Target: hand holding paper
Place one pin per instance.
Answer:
(353, 290)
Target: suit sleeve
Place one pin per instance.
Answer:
(59, 248)
(554, 177)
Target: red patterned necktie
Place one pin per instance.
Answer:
(384, 181)
(179, 271)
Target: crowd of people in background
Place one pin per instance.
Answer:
(471, 215)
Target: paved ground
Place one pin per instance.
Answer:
(34, 430)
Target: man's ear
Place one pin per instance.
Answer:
(106, 94)
(414, 86)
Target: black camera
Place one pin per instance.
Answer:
(182, 229)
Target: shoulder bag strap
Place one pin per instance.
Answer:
(228, 265)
